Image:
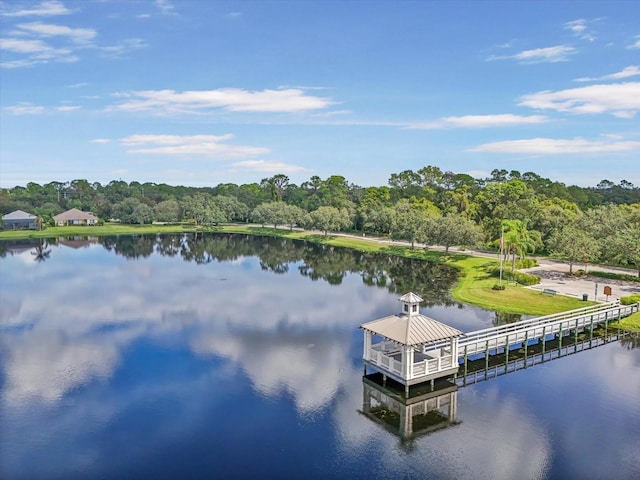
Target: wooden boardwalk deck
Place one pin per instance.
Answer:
(559, 325)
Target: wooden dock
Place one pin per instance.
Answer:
(540, 329)
(412, 348)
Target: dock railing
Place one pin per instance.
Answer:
(494, 337)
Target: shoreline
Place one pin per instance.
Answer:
(473, 286)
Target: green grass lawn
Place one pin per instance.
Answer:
(632, 322)
(94, 230)
(473, 287)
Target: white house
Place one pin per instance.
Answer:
(75, 217)
(19, 220)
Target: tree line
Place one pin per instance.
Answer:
(526, 212)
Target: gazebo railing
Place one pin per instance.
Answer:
(432, 365)
(390, 364)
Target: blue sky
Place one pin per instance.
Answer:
(203, 92)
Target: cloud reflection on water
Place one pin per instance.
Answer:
(73, 330)
(65, 340)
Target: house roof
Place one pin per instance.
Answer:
(18, 215)
(74, 214)
(412, 329)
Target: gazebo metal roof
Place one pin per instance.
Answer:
(411, 330)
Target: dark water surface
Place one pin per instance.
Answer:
(240, 357)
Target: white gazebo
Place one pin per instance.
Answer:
(412, 348)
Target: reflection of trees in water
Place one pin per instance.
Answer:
(42, 251)
(327, 263)
(39, 247)
(169, 245)
(130, 246)
(431, 281)
(502, 318)
(630, 341)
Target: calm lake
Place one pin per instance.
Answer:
(229, 356)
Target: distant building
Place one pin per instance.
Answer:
(75, 217)
(19, 220)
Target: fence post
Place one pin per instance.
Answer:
(560, 341)
(506, 352)
(486, 359)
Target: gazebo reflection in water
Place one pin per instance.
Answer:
(408, 417)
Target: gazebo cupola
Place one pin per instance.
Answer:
(410, 304)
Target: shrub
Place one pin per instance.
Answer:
(526, 279)
(526, 263)
(518, 277)
(498, 287)
(615, 276)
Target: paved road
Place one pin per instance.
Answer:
(554, 276)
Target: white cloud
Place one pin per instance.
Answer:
(557, 53)
(25, 109)
(630, 71)
(78, 35)
(188, 145)
(68, 108)
(481, 121)
(551, 146)
(35, 43)
(123, 48)
(620, 99)
(580, 29)
(44, 9)
(229, 99)
(101, 140)
(265, 166)
(165, 6)
(36, 51)
(142, 139)
(23, 46)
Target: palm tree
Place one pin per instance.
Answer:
(518, 240)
